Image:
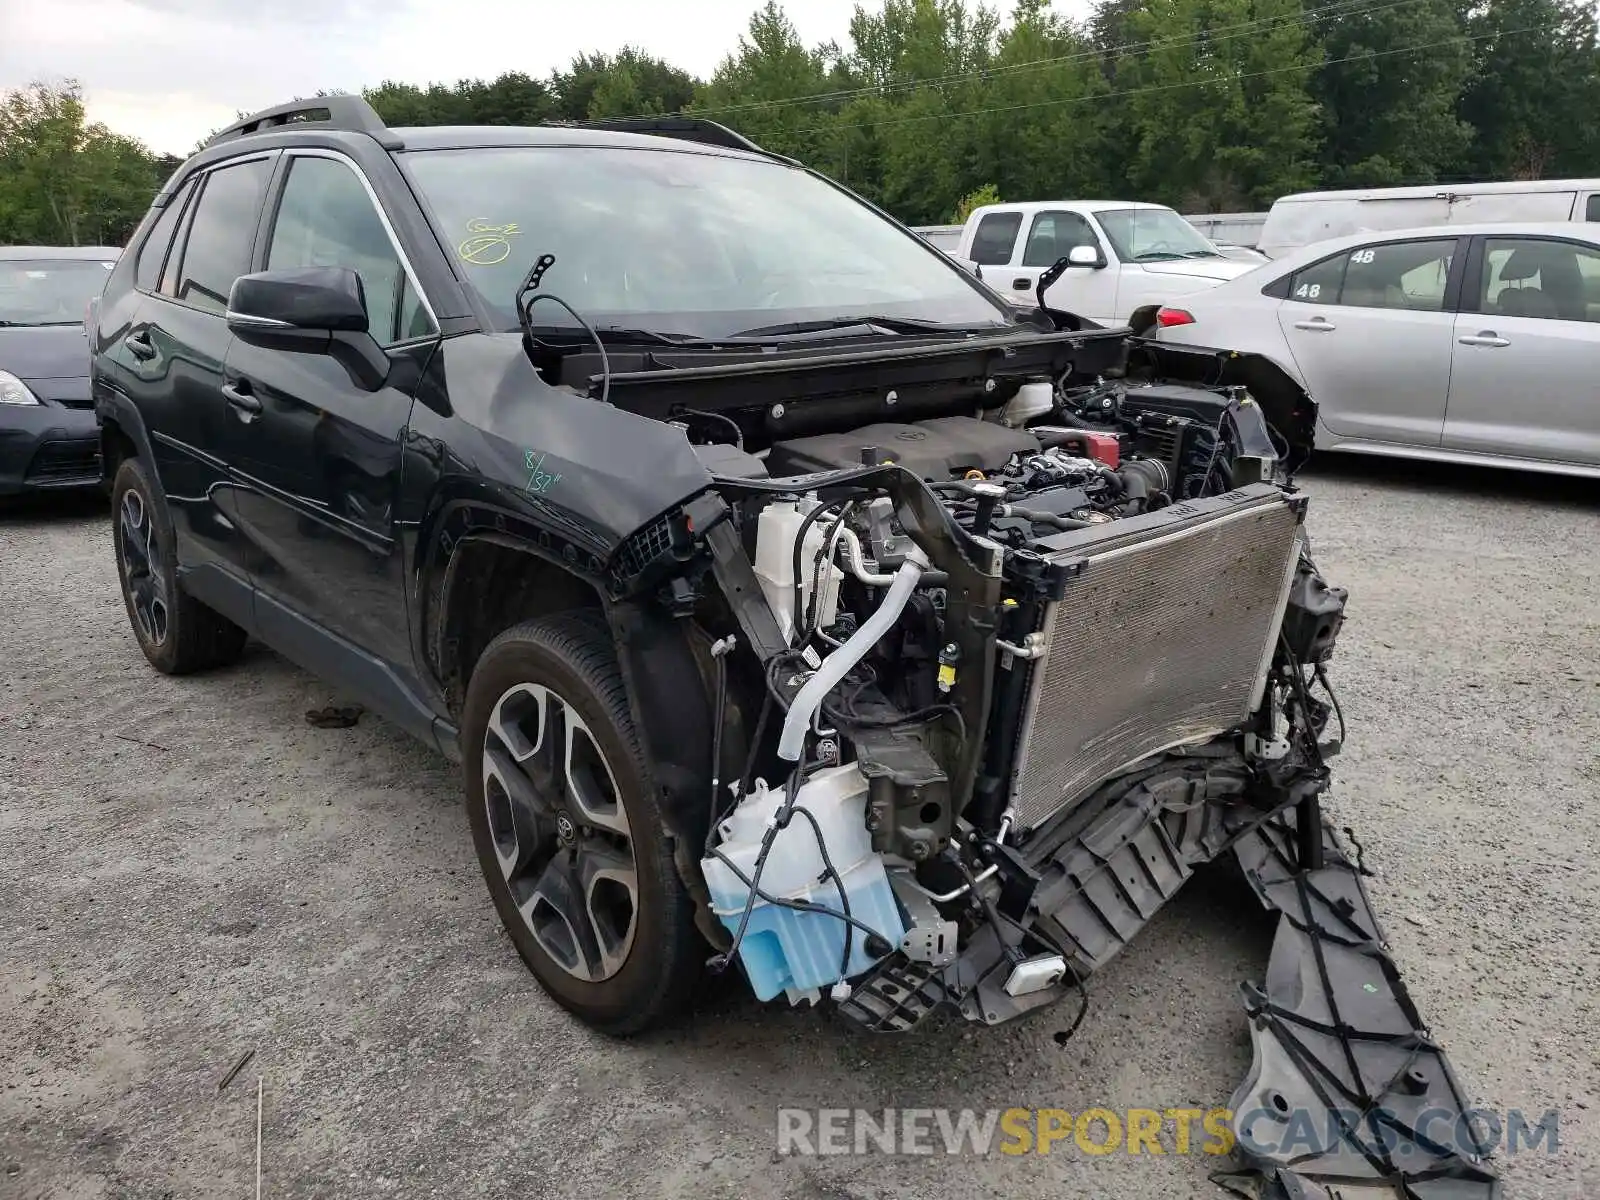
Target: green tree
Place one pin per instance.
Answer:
(63, 180)
(1389, 93)
(755, 88)
(975, 199)
(1213, 105)
(627, 83)
(1045, 131)
(1537, 80)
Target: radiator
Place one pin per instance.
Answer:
(1163, 637)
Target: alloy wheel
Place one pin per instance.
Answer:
(141, 567)
(560, 832)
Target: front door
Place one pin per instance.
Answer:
(1087, 291)
(1371, 329)
(174, 350)
(1527, 345)
(319, 470)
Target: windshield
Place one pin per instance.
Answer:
(1154, 234)
(49, 291)
(682, 243)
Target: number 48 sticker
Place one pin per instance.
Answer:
(1308, 291)
(1363, 256)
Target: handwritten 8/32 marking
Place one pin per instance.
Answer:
(540, 481)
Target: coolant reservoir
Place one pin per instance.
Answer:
(776, 531)
(801, 952)
(1032, 400)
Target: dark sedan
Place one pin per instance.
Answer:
(49, 437)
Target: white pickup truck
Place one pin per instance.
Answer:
(1125, 256)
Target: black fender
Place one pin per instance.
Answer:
(118, 415)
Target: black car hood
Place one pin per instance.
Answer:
(44, 352)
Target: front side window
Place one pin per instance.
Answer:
(670, 241)
(49, 291)
(1053, 236)
(326, 219)
(217, 250)
(1153, 235)
(995, 238)
(1591, 208)
(1530, 277)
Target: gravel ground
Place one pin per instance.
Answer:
(188, 871)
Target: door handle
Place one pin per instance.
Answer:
(139, 346)
(1316, 325)
(1021, 285)
(1487, 337)
(241, 401)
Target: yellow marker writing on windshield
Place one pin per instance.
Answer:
(487, 243)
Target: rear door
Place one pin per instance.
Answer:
(1372, 329)
(174, 350)
(319, 461)
(994, 244)
(1526, 351)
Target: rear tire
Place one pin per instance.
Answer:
(567, 829)
(177, 633)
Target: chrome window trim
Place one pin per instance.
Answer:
(235, 317)
(294, 152)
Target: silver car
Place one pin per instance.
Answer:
(1465, 343)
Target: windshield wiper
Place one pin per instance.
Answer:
(1157, 256)
(617, 335)
(1202, 254)
(910, 325)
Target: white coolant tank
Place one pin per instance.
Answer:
(1032, 400)
(800, 952)
(776, 531)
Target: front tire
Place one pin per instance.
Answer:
(567, 830)
(177, 633)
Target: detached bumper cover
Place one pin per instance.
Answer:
(47, 446)
(1348, 1097)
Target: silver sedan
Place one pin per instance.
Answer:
(1461, 343)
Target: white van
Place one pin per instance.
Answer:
(1308, 217)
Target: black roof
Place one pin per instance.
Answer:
(352, 114)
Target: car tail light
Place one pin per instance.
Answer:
(1166, 318)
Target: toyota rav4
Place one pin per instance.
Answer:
(792, 603)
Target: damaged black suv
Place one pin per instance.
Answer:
(790, 601)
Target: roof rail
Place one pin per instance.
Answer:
(351, 113)
(688, 129)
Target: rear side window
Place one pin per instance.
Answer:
(217, 250)
(153, 252)
(1319, 283)
(1591, 208)
(997, 234)
(1053, 235)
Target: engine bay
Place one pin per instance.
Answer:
(999, 656)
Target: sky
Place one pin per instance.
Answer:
(168, 72)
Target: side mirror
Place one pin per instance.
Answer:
(1085, 256)
(312, 310)
(310, 299)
